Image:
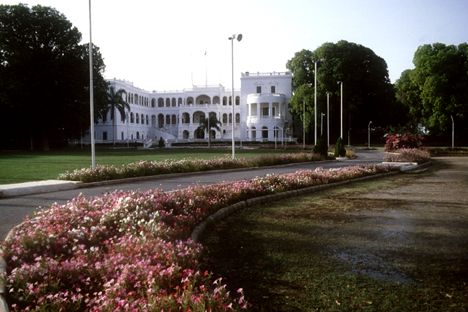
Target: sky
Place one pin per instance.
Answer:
(168, 45)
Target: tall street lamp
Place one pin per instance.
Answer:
(303, 124)
(315, 102)
(368, 134)
(321, 123)
(328, 118)
(453, 132)
(341, 108)
(91, 93)
(239, 38)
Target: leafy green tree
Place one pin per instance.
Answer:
(368, 93)
(437, 87)
(44, 78)
(206, 124)
(115, 102)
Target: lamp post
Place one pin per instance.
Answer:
(91, 93)
(321, 123)
(368, 134)
(239, 38)
(453, 132)
(303, 124)
(315, 102)
(341, 108)
(328, 119)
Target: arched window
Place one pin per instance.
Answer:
(132, 118)
(190, 100)
(153, 121)
(224, 100)
(224, 118)
(147, 120)
(153, 102)
(203, 99)
(264, 133)
(173, 102)
(198, 116)
(160, 102)
(160, 120)
(138, 135)
(137, 118)
(230, 118)
(230, 100)
(168, 102)
(173, 119)
(168, 119)
(216, 100)
(185, 118)
(237, 100)
(254, 133)
(237, 118)
(179, 101)
(185, 134)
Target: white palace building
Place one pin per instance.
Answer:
(261, 112)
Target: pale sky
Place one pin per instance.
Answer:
(161, 44)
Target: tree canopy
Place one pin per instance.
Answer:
(44, 77)
(437, 87)
(367, 91)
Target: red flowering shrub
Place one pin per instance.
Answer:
(395, 141)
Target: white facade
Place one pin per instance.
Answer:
(261, 112)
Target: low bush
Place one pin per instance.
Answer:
(397, 141)
(340, 150)
(408, 155)
(128, 251)
(147, 168)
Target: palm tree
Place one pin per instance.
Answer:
(115, 101)
(206, 124)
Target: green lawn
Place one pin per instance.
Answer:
(17, 167)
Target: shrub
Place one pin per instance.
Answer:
(340, 150)
(161, 143)
(321, 148)
(408, 155)
(396, 141)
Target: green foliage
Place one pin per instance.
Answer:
(437, 87)
(321, 147)
(368, 93)
(44, 77)
(340, 150)
(161, 143)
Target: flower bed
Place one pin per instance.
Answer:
(128, 251)
(408, 155)
(147, 168)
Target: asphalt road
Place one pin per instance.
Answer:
(14, 210)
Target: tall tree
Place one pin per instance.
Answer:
(44, 77)
(437, 88)
(206, 124)
(368, 93)
(115, 102)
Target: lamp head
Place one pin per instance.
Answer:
(239, 37)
